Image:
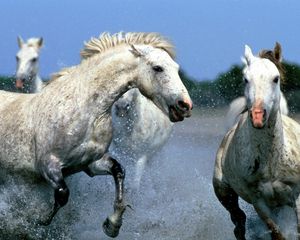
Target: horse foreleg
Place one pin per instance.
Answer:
(53, 174)
(229, 199)
(265, 214)
(108, 165)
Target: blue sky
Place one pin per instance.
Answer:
(209, 35)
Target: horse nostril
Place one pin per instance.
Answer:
(184, 106)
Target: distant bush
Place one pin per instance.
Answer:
(7, 83)
(222, 90)
(229, 85)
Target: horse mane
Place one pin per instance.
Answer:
(106, 41)
(271, 55)
(61, 73)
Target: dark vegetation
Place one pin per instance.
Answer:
(223, 89)
(229, 85)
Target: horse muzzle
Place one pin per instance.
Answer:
(181, 109)
(258, 117)
(20, 83)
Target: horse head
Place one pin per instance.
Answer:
(262, 85)
(27, 61)
(159, 81)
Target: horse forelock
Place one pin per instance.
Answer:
(270, 55)
(33, 42)
(107, 41)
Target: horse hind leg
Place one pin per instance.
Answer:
(298, 216)
(108, 165)
(53, 174)
(229, 199)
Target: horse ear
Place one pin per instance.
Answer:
(135, 51)
(40, 42)
(20, 42)
(248, 55)
(278, 52)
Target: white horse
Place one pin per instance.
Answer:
(238, 105)
(139, 129)
(67, 127)
(259, 158)
(27, 76)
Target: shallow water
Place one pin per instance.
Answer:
(175, 200)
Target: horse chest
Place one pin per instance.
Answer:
(91, 146)
(263, 180)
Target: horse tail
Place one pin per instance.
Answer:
(236, 107)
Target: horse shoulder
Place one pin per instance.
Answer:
(291, 142)
(222, 154)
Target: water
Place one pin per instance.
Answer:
(175, 200)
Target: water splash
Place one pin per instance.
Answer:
(175, 200)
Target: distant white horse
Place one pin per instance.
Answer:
(67, 127)
(259, 158)
(140, 128)
(27, 76)
(238, 105)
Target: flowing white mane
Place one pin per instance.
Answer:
(106, 41)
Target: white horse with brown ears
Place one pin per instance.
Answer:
(259, 158)
(67, 127)
(27, 76)
(238, 105)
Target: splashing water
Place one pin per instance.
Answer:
(175, 200)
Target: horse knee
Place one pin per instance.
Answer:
(117, 170)
(61, 196)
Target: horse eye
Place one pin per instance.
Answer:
(157, 68)
(34, 60)
(276, 79)
(246, 80)
(17, 58)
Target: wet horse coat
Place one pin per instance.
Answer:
(259, 158)
(67, 127)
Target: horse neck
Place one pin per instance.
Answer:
(121, 78)
(36, 85)
(267, 141)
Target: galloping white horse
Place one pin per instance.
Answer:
(259, 158)
(67, 127)
(238, 105)
(28, 65)
(139, 129)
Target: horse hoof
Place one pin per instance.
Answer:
(111, 229)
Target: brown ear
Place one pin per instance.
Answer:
(20, 42)
(278, 52)
(40, 42)
(135, 51)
